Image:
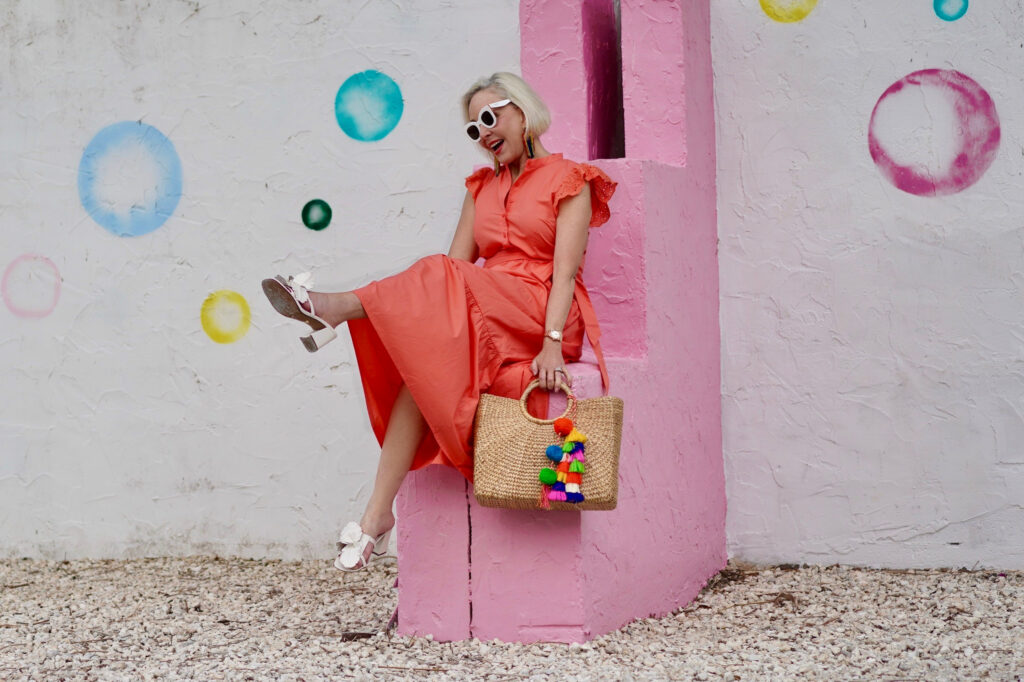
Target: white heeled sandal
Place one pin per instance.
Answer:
(352, 547)
(290, 297)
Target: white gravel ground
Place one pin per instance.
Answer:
(213, 619)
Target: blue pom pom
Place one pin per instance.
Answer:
(574, 497)
(558, 486)
(577, 447)
(554, 453)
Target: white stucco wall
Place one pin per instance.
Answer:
(125, 430)
(872, 393)
(873, 401)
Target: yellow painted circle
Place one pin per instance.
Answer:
(225, 316)
(788, 10)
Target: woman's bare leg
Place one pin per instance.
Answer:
(403, 435)
(337, 308)
(405, 430)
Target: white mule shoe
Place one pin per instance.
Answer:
(352, 544)
(290, 297)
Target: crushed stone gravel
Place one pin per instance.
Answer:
(239, 619)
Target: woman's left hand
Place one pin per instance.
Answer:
(549, 367)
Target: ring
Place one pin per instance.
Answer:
(562, 370)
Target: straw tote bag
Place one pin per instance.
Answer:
(567, 463)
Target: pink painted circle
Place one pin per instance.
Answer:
(956, 115)
(31, 286)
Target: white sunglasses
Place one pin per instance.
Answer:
(487, 118)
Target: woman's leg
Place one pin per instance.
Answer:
(337, 308)
(404, 433)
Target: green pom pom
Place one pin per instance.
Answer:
(547, 476)
(567, 447)
(577, 468)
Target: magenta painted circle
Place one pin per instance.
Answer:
(25, 297)
(972, 136)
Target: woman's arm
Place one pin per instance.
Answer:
(570, 243)
(463, 245)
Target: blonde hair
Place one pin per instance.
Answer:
(509, 85)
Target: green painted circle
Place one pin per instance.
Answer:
(316, 214)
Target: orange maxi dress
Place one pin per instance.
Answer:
(451, 330)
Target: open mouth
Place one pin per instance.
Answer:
(497, 145)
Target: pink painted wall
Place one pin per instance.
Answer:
(433, 541)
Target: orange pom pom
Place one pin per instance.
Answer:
(563, 426)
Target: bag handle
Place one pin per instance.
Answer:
(570, 408)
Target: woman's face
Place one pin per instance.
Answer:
(505, 139)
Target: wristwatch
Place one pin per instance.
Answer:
(554, 335)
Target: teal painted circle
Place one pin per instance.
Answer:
(129, 178)
(950, 10)
(368, 106)
(316, 214)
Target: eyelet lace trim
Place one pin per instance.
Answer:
(601, 190)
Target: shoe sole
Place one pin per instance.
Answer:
(283, 302)
(280, 297)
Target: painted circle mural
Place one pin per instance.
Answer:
(129, 179)
(316, 214)
(31, 286)
(788, 11)
(225, 316)
(368, 106)
(950, 10)
(934, 132)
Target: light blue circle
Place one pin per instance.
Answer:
(368, 106)
(138, 164)
(950, 10)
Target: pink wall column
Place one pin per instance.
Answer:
(433, 554)
(653, 275)
(551, 32)
(667, 82)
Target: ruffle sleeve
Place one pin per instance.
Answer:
(476, 181)
(601, 190)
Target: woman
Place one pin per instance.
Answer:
(431, 339)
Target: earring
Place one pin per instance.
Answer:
(529, 146)
(497, 166)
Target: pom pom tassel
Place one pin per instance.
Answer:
(543, 502)
(563, 426)
(576, 437)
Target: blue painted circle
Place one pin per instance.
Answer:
(129, 179)
(368, 106)
(950, 10)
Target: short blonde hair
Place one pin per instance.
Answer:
(509, 85)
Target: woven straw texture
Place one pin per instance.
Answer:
(509, 446)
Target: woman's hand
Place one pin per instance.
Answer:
(549, 367)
